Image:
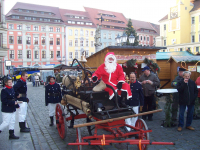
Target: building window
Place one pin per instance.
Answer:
(92, 43)
(19, 53)
(11, 39)
(193, 39)
(81, 32)
(78, 22)
(57, 29)
(141, 38)
(81, 42)
(144, 38)
(70, 42)
(76, 17)
(76, 32)
(109, 36)
(76, 55)
(110, 43)
(69, 21)
(58, 41)
(20, 10)
(104, 45)
(87, 54)
(197, 49)
(19, 27)
(51, 29)
(43, 54)
(147, 38)
(42, 12)
(11, 54)
(34, 18)
(76, 42)
(51, 41)
(36, 54)
(35, 28)
(43, 28)
(164, 27)
(70, 54)
(11, 26)
(41, 19)
(181, 49)
(51, 54)
(19, 39)
(28, 28)
(28, 54)
(43, 41)
(164, 42)
(86, 33)
(87, 43)
(27, 18)
(28, 40)
(92, 33)
(58, 54)
(70, 32)
(193, 20)
(35, 42)
(104, 35)
(35, 12)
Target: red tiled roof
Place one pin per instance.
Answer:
(141, 25)
(196, 5)
(164, 18)
(119, 16)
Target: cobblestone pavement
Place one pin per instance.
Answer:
(45, 137)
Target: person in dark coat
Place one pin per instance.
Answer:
(21, 89)
(8, 107)
(137, 99)
(52, 97)
(187, 90)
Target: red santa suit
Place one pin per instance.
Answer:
(113, 79)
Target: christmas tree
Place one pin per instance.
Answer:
(130, 30)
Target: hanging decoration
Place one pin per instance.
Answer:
(131, 63)
(154, 66)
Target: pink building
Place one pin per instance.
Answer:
(35, 35)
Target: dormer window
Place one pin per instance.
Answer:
(27, 11)
(35, 12)
(34, 18)
(71, 16)
(76, 17)
(20, 10)
(42, 12)
(41, 19)
(50, 13)
(82, 17)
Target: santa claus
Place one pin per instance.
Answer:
(112, 74)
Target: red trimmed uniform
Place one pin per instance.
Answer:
(112, 79)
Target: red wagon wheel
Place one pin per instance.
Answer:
(61, 121)
(78, 133)
(140, 123)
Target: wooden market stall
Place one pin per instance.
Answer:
(187, 62)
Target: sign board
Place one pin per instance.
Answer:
(137, 57)
(191, 68)
(8, 63)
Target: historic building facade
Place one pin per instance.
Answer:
(180, 28)
(35, 35)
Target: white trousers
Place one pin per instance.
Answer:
(22, 111)
(8, 120)
(52, 108)
(132, 121)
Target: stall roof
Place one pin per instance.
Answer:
(184, 58)
(167, 55)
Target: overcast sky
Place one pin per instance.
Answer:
(145, 10)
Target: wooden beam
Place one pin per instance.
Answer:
(115, 119)
(68, 67)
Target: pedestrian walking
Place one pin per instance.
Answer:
(15, 79)
(21, 89)
(136, 101)
(33, 79)
(149, 82)
(36, 80)
(187, 90)
(8, 107)
(52, 97)
(176, 95)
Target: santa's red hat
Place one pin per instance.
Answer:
(109, 53)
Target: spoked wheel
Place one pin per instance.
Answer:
(140, 123)
(61, 121)
(78, 133)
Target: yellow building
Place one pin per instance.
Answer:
(79, 32)
(180, 28)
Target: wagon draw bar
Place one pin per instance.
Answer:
(115, 119)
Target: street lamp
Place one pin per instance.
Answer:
(124, 38)
(131, 38)
(118, 39)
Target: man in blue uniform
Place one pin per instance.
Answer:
(21, 89)
(8, 107)
(52, 97)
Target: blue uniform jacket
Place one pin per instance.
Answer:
(21, 88)
(49, 91)
(8, 104)
(137, 95)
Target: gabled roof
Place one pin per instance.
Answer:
(94, 13)
(196, 5)
(164, 18)
(167, 55)
(184, 58)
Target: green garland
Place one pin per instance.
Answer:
(152, 64)
(131, 62)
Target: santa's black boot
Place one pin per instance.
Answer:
(123, 99)
(51, 121)
(12, 135)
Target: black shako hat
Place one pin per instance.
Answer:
(181, 69)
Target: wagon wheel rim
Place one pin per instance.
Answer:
(140, 123)
(79, 138)
(61, 125)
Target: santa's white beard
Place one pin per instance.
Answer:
(110, 67)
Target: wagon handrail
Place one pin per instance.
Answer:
(115, 119)
(115, 94)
